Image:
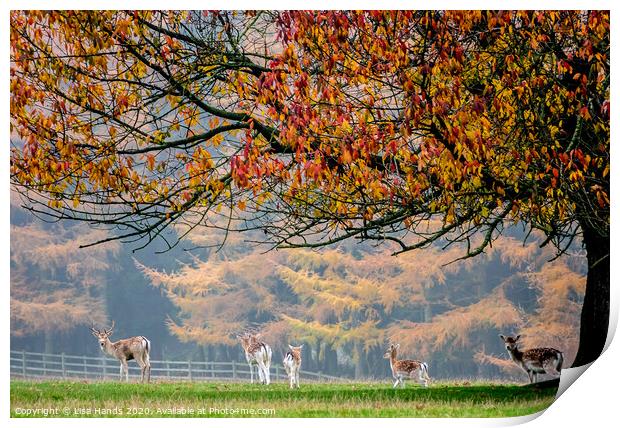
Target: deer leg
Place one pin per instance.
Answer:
(396, 383)
(297, 376)
(558, 364)
(261, 375)
(142, 366)
(266, 369)
(551, 368)
(262, 372)
(421, 379)
(126, 368)
(147, 368)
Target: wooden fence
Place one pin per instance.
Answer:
(36, 365)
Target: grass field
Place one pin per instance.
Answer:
(166, 399)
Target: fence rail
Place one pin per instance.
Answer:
(28, 365)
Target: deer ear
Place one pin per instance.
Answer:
(290, 347)
(518, 336)
(301, 346)
(397, 346)
(502, 337)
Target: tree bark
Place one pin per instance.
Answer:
(49, 341)
(330, 361)
(595, 310)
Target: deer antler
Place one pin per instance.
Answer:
(109, 330)
(242, 335)
(92, 327)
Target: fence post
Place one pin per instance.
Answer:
(189, 369)
(234, 370)
(24, 364)
(62, 365)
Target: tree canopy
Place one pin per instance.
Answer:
(317, 127)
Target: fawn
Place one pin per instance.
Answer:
(292, 363)
(406, 368)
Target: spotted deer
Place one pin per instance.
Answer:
(258, 354)
(133, 348)
(536, 360)
(292, 363)
(412, 369)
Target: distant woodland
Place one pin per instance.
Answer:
(344, 303)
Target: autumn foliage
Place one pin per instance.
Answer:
(54, 286)
(347, 303)
(316, 127)
(360, 119)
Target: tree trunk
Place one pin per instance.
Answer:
(48, 341)
(428, 313)
(595, 310)
(330, 361)
(361, 363)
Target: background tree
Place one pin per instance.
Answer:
(346, 303)
(54, 287)
(317, 127)
(220, 296)
(59, 289)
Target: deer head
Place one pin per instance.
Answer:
(102, 335)
(391, 351)
(510, 342)
(246, 340)
(296, 349)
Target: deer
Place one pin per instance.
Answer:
(413, 369)
(534, 361)
(133, 348)
(258, 354)
(292, 363)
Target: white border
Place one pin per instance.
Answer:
(591, 401)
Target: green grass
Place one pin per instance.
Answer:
(82, 398)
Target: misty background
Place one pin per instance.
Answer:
(345, 303)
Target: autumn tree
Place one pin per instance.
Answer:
(538, 299)
(317, 127)
(345, 303)
(54, 286)
(220, 295)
